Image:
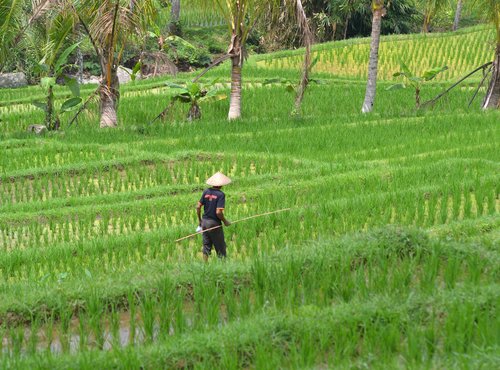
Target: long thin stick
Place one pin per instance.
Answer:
(234, 222)
(83, 106)
(480, 85)
(432, 101)
(214, 64)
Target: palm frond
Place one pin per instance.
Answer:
(40, 8)
(59, 30)
(114, 20)
(491, 11)
(10, 23)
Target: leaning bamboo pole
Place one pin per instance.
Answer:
(234, 222)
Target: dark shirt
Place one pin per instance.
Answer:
(212, 199)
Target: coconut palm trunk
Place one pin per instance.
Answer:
(458, 14)
(371, 85)
(427, 21)
(175, 14)
(235, 100)
(346, 26)
(79, 64)
(236, 52)
(109, 93)
(307, 40)
(492, 98)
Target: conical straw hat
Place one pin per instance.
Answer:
(219, 179)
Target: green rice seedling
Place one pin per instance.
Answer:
(3, 332)
(180, 318)
(82, 331)
(114, 326)
(475, 266)
(132, 306)
(65, 321)
(148, 315)
(451, 270)
(95, 319)
(430, 273)
(165, 307)
(245, 304)
(49, 331)
(229, 299)
(33, 340)
(16, 340)
(415, 348)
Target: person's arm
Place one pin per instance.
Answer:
(198, 207)
(220, 215)
(221, 203)
(198, 212)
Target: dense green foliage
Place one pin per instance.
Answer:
(330, 20)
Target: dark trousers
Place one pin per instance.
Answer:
(213, 238)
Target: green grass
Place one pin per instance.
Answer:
(388, 257)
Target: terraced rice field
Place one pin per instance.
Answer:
(461, 52)
(388, 257)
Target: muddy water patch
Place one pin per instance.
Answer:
(115, 330)
(121, 331)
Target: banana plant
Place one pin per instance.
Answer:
(415, 81)
(194, 94)
(51, 72)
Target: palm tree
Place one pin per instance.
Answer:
(11, 13)
(491, 9)
(458, 14)
(241, 16)
(430, 8)
(110, 24)
(307, 41)
(175, 13)
(379, 10)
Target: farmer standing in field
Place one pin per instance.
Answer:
(213, 200)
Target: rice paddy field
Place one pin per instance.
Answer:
(388, 257)
(462, 52)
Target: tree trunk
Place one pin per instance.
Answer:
(236, 52)
(194, 112)
(235, 101)
(175, 13)
(492, 98)
(79, 56)
(427, 20)
(79, 63)
(371, 85)
(49, 113)
(307, 39)
(458, 14)
(346, 26)
(109, 93)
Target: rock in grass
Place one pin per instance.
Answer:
(12, 80)
(37, 129)
(123, 74)
(91, 80)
